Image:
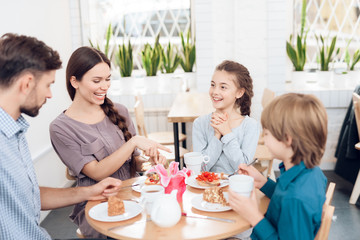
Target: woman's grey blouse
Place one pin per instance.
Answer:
(78, 143)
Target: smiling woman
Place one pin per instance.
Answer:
(94, 137)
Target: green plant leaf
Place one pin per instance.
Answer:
(188, 57)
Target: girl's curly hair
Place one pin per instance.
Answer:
(243, 80)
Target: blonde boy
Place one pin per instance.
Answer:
(295, 128)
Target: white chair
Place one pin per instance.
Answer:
(265, 160)
(267, 97)
(165, 138)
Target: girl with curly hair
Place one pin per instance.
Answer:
(228, 135)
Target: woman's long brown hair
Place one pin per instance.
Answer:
(80, 62)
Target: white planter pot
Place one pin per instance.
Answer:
(299, 79)
(120, 86)
(172, 83)
(161, 84)
(353, 78)
(324, 78)
(189, 78)
(340, 80)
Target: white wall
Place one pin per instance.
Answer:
(48, 21)
(254, 33)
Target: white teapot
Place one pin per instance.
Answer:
(166, 211)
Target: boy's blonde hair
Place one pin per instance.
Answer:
(302, 117)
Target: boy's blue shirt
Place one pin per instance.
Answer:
(296, 203)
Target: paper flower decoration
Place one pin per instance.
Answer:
(172, 178)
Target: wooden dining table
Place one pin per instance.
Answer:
(186, 108)
(187, 228)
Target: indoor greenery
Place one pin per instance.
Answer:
(326, 53)
(297, 53)
(170, 58)
(124, 59)
(108, 35)
(355, 59)
(189, 53)
(151, 57)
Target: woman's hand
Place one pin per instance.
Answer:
(259, 179)
(149, 146)
(158, 159)
(247, 207)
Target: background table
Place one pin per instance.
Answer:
(186, 108)
(186, 228)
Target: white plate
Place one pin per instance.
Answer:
(191, 181)
(100, 212)
(141, 183)
(198, 203)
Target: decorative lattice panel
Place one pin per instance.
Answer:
(330, 18)
(138, 20)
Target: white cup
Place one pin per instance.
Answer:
(241, 184)
(193, 161)
(149, 193)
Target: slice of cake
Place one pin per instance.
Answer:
(115, 206)
(214, 195)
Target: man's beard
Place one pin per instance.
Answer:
(32, 112)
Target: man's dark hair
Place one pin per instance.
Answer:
(19, 54)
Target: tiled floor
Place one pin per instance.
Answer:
(346, 224)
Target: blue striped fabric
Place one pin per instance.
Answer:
(19, 190)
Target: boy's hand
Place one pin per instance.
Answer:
(259, 179)
(247, 207)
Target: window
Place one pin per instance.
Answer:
(138, 20)
(330, 18)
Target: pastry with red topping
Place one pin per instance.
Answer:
(152, 178)
(208, 179)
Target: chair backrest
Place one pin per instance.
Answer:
(326, 219)
(356, 103)
(327, 214)
(139, 115)
(68, 175)
(330, 193)
(267, 97)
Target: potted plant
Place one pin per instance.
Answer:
(124, 59)
(352, 75)
(188, 53)
(326, 56)
(187, 61)
(170, 59)
(297, 51)
(109, 54)
(151, 57)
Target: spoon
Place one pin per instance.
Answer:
(236, 172)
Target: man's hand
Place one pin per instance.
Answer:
(105, 188)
